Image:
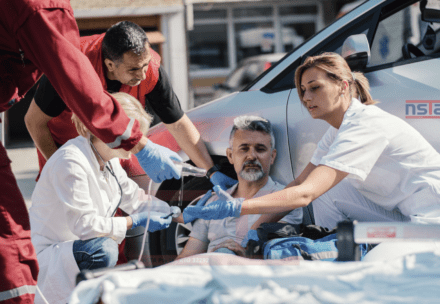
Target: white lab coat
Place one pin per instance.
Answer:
(74, 200)
(388, 161)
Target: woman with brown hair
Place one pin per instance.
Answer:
(369, 166)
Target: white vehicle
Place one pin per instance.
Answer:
(386, 39)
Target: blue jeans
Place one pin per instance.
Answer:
(225, 250)
(95, 253)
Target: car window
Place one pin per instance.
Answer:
(403, 29)
(332, 43)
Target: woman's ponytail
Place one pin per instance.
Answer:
(361, 89)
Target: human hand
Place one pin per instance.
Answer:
(157, 162)
(251, 235)
(222, 180)
(157, 220)
(202, 201)
(232, 245)
(225, 206)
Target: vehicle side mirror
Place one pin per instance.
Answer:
(356, 51)
(430, 10)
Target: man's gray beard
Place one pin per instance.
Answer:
(253, 174)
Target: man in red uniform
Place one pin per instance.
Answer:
(39, 37)
(112, 56)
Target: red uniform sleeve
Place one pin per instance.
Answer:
(50, 39)
(132, 166)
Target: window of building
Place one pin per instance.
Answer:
(299, 10)
(253, 39)
(250, 12)
(207, 14)
(208, 47)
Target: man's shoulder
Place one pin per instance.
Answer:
(91, 42)
(273, 186)
(278, 186)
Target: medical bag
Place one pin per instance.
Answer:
(305, 242)
(302, 248)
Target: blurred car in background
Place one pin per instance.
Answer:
(247, 71)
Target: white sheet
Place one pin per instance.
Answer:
(222, 278)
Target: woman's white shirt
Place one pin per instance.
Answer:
(388, 161)
(74, 199)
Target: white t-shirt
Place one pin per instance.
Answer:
(388, 161)
(218, 231)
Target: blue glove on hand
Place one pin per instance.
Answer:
(225, 206)
(222, 180)
(157, 222)
(157, 162)
(204, 199)
(251, 235)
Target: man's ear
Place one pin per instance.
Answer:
(344, 88)
(229, 155)
(109, 64)
(274, 155)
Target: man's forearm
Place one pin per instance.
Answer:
(140, 145)
(36, 124)
(193, 247)
(44, 142)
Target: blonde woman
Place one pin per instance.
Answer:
(80, 188)
(369, 166)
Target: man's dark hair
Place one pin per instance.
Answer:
(122, 37)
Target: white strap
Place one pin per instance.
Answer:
(16, 292)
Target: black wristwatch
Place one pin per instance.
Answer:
(214, 168)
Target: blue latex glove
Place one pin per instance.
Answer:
(251, 235)
(157, 222)
(203, 201)
(222, 180)
(157, 162)
(225, 206)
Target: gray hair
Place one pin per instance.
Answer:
(252, 123)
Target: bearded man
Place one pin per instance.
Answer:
(252, 152)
